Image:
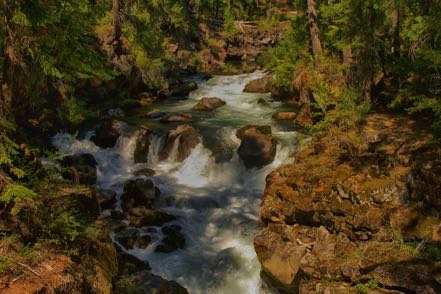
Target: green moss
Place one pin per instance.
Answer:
(366, 287)
(433, 252)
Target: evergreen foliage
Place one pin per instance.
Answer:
(389, 51)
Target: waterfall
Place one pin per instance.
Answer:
(216, 204)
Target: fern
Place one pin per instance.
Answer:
(19, 196)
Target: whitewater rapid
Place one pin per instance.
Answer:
(216, 203)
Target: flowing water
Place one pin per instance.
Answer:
(216, 201)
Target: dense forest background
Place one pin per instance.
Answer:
(338, 60)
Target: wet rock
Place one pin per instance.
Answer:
(116, 113)
(284, 116)
(145, 282)
(261, 85)
(146, 99)
(258, 147)
(80, 169)
(107, 134)
(173, 239)
(262, 102)
(138, 192)
(156, 114)
(208, 104)
(142, 146)
(186, 138)
(183, 89)
(144, 217)
(105, 198)
(176, 118)
(127, 238)
(147, 172)
(144, 241)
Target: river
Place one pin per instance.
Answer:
(216, 202)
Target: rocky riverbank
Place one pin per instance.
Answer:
(357, 211)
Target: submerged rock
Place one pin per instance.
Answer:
(173, 239)
(258, 147)
(181, 140)
(176, 118)
(142, 146)
(107, 134)
(208, 104)
(80, 169)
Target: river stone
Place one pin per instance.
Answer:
(142, 146)
(105, 198)
(208, 104)
(284, 116)
(257, 148)
(173, 239)
(127, 238)
(187, 139)
(139, 192)
(144, 241)
(107, 134)
(176, 118)
(144, 217)
(183, 89)
(146, 282)
(261, 85)
(80, 169)
(147, 172)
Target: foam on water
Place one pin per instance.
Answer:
(217, 204)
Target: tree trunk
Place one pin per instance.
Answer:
(396, 23)
(313, 28)
(116, 10)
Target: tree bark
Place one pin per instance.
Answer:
(116, 10)
(313, 28)
(396, 23)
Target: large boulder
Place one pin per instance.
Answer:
(261, 85)
(258, 147)
(139, 192)
(208, 104)
(142, 146)
(80, 169)
(107, 134)
(186, 138)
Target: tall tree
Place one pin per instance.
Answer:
(313, 28)
(116, 11)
